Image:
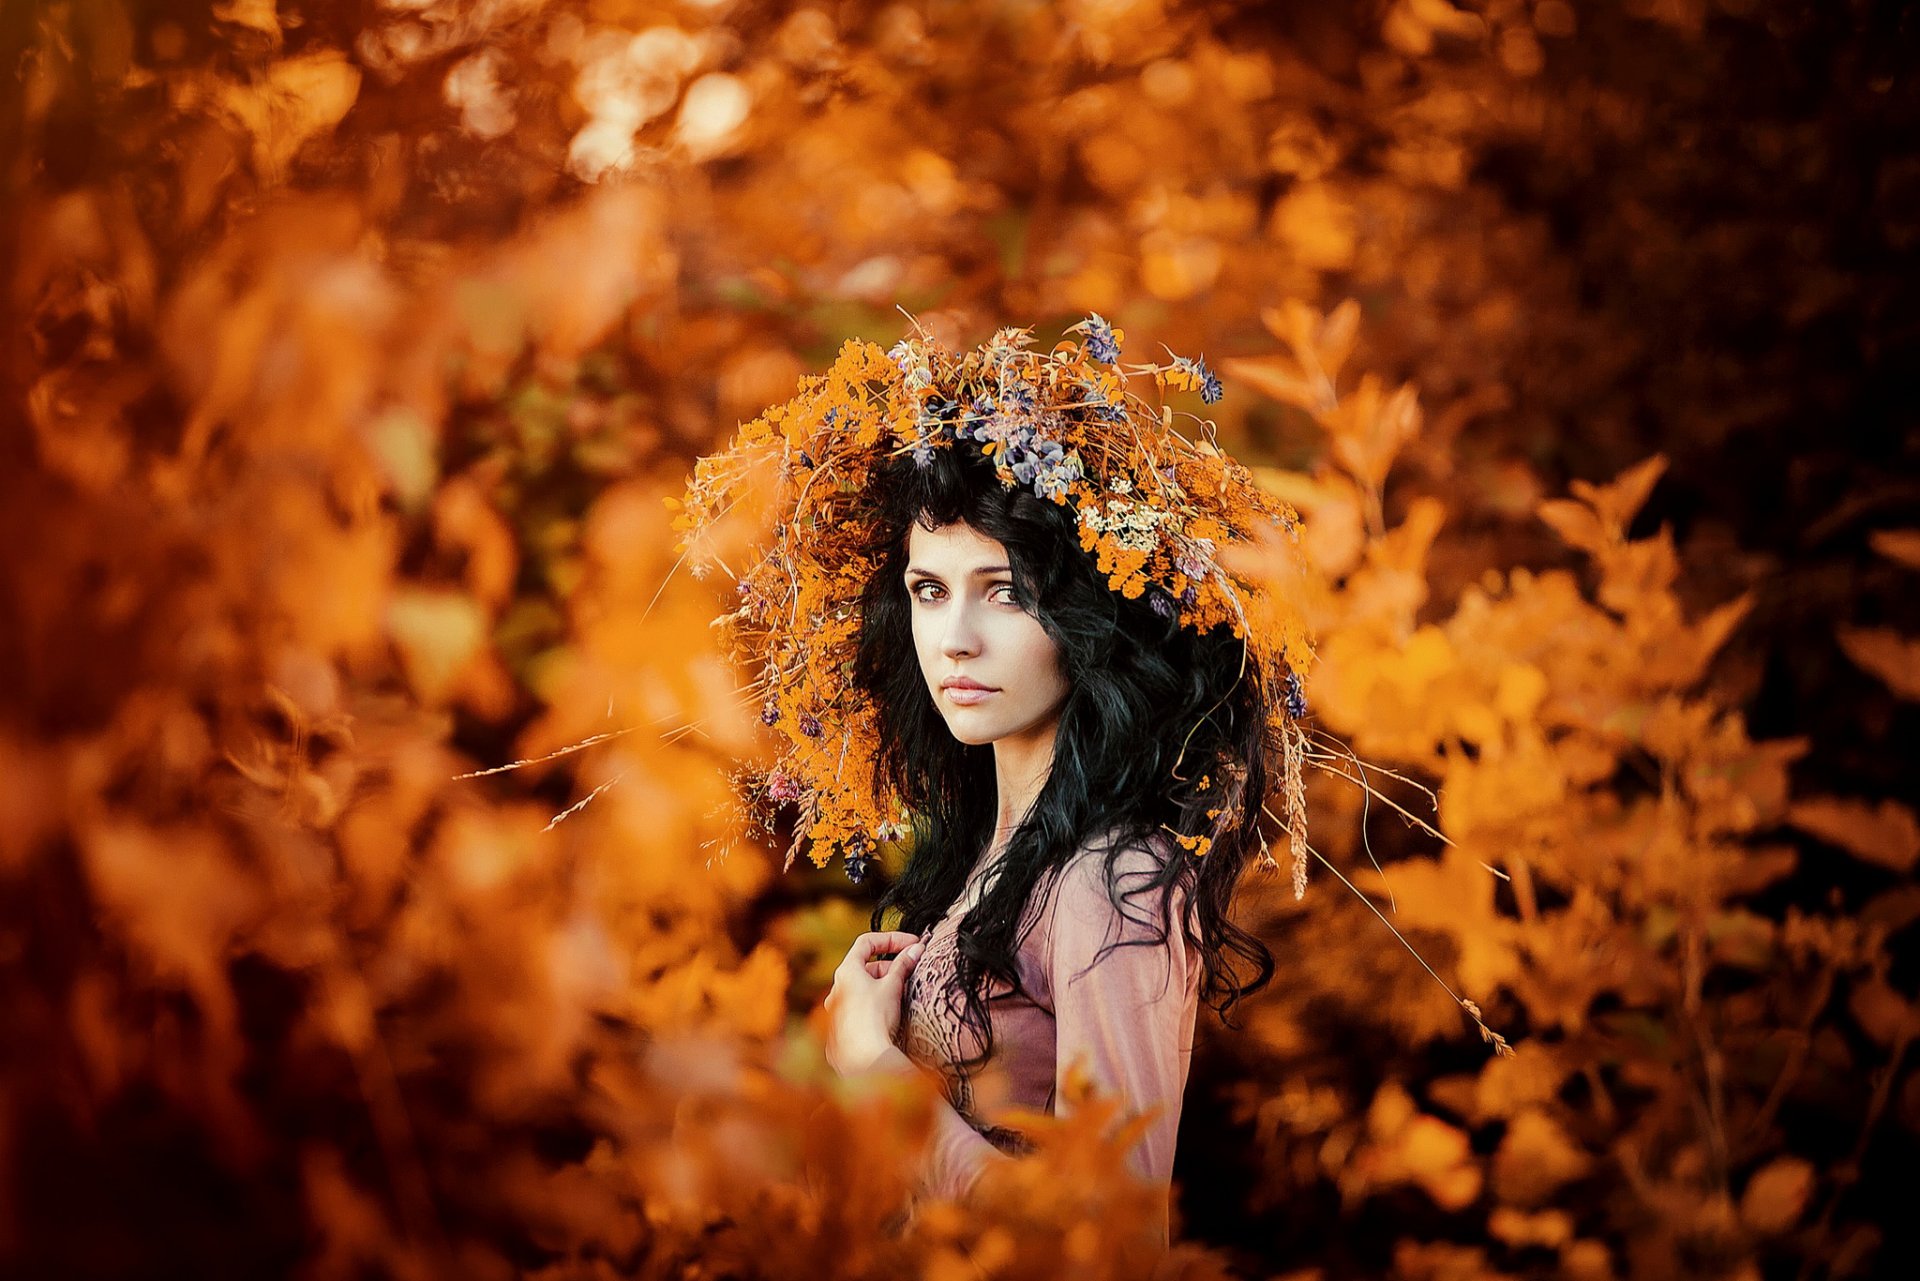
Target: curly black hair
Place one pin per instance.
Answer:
(1152, 708)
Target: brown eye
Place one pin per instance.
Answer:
(919, 590)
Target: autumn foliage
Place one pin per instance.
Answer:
(364, 760)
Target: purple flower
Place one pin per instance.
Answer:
(1056, 482)
(770, 715)
(809, 725)
(1100, 343)
(1161, 602)
(1188, 596)
(923, 456)
(1296, 699)
(1210, 390)
(859, 861)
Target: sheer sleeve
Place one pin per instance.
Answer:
(956, 1155)
(1127, 1018)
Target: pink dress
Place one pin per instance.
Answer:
(1129, 1020)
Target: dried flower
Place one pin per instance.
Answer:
(1151, 508)
(1295, 696)
(1193, 375)
(1103, 342)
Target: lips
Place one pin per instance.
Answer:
(964, 691)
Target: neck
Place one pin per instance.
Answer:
(1020, 769)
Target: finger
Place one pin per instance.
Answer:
(877, 969)
(903, 965)
(884, 942)
(868, 945)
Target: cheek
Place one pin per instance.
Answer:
(926, 645)
(1039, 656)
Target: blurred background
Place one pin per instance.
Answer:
(351, 349)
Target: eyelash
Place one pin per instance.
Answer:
(917, 590)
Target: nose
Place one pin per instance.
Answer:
(960, 636)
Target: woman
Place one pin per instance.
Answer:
(1038, 732)
(993, 622)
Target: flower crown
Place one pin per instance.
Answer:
(1155, 510)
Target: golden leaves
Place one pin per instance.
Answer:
(438, 634)
(1318, 349)
(1370, 427)
(1333, 535)
(561, 285)
(1315, 226)
(1596, 519)
(295, 100)
(244, 620)
(1886, 835)
(1175, 267)
(1405, 1145)
(1411, 25)
(1452, 895)
(1884, 1013)
(1536, 1157)
(1777, 1194)
(1887, 654)
(179, 897)
(1073, 1205)
(1529, 697)
(1901, 546)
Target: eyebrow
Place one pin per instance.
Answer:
(984, 569)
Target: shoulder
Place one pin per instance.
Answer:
(1108, 909)
(1110, 858)
(1109, 881)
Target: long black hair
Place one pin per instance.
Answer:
(1152, 708)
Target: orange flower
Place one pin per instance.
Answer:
(1150, 506)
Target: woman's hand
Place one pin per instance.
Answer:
(863, 1009)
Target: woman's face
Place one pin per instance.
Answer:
(993, 671)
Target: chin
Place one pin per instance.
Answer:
(973, 734)
(972, 738)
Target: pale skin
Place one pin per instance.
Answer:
(995, 676)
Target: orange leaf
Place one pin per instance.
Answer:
(1776, 1195)
(1887, 654)
(297, 99)
(1883, 1013)
(1574, 522)
(1886, 835)
(1535, 1159)
(1620, 499)
(1902, 546)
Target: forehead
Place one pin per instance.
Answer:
(952, 549)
